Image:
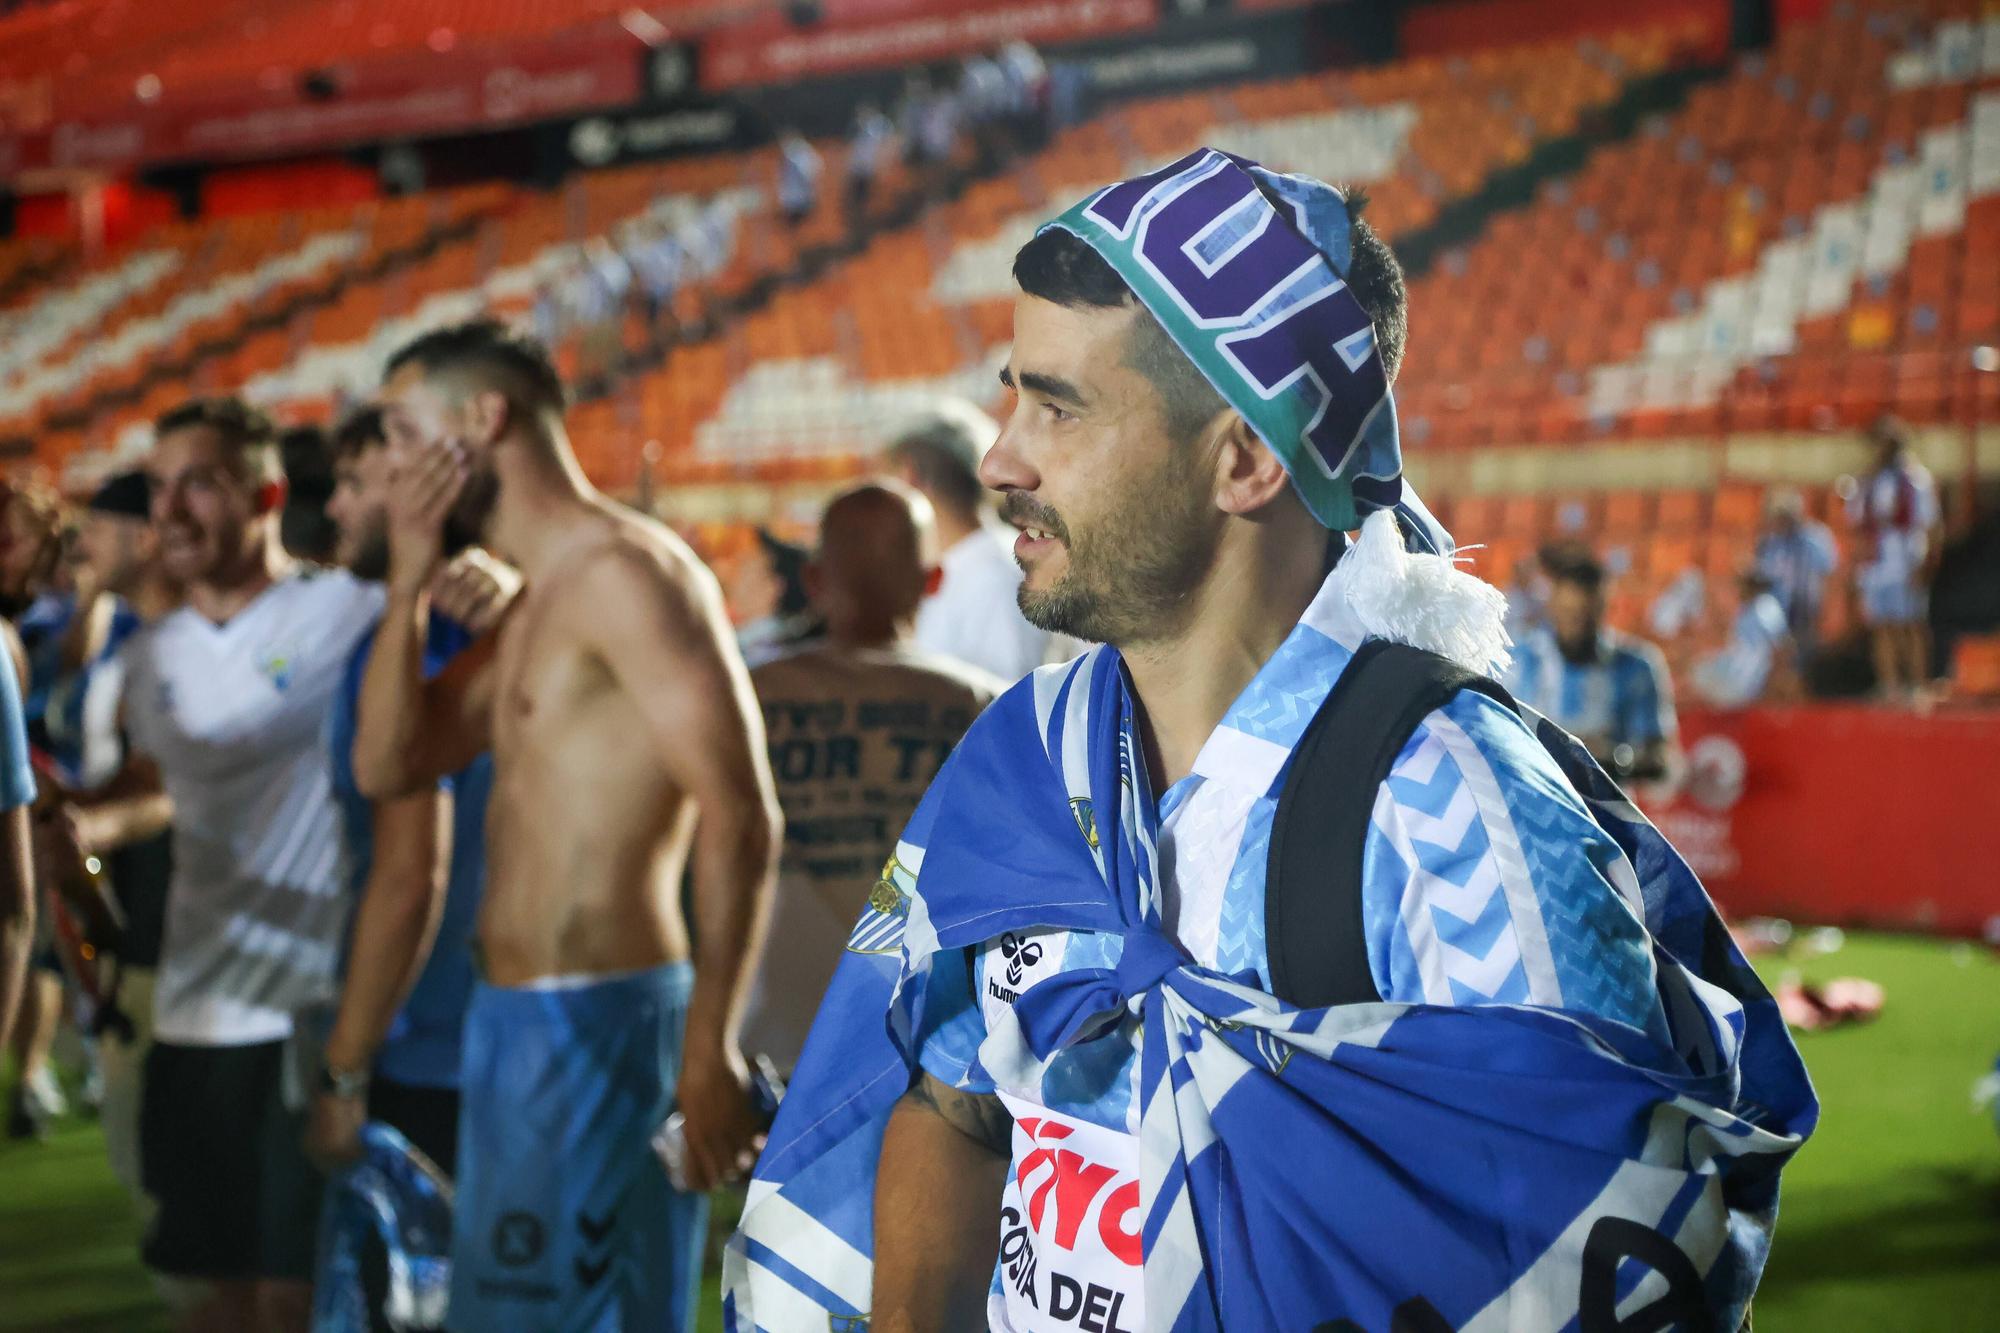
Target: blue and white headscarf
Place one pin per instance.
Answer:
(1246, 269)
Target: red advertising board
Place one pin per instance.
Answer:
(392, 97)
(1844, 813)
(877, 34)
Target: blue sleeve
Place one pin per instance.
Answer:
(953, 1025)
(1645, 699)
(1485, 880)
(17, 775)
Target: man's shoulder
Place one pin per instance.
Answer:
(641, 560)
(1633, 653)
(332, 599)
(814, 667)
(1473, 728)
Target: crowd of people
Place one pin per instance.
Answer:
(1616, 689)
(470, 852)
(263, 901)
(980, 113)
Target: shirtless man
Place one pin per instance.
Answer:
(626, 746)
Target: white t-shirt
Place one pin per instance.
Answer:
(234, 715)
(1900, 504)
(974, 616)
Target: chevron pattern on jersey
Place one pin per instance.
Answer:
(1429, 815)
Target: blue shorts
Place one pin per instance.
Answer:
(1892, 595)
(565, 1222)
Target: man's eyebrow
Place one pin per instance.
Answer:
(1051, 386)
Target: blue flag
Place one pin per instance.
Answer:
(1516, 1143)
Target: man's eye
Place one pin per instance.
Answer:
(1056, 413)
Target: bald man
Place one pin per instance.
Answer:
(858, 723)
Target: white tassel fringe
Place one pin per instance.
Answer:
(1425, 601)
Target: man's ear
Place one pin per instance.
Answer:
(487, 415)
(1248, 475)
(813, 576)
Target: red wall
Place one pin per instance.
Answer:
(316, 183)
(1468, 25)
(1799, 11)
(1847, 813)
(44, 215)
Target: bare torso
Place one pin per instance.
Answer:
(587, 836)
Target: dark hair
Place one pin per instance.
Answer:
(788, 565)
(1890, 430)
(127, 495)
(492, 352)
(303, 526)
(246, 433)
(1060, 266)
(1576, 565)
(943, 457)
(360, 430)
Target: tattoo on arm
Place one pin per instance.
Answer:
(978, 1116)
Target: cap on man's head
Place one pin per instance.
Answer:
(127, 495)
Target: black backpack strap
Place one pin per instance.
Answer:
(1312, 893)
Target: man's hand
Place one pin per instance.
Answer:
(427, 483)
(475, 590)
(720, 1121)
(333, 1130)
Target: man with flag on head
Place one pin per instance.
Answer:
(1085, 1066)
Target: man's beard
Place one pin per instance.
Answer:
(1129, 577)
(466, 524)
(371, 557)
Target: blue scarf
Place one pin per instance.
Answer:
(396, 1198)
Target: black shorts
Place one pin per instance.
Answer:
(220, 1154)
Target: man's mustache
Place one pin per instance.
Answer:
(1023, 511)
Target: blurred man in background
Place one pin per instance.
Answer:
(416, 865)
(865, 153)
(767, 589)
(1894, 511)
(1608, 689)
(31, 527)
(1795, 556)
(17, 793)
(121, 587)
(1760, 661)
(227, 697)
(799, 170)
(626, 750)
(858, 723)
(974, 613)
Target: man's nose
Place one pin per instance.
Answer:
(1003, 468)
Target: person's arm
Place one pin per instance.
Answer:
(1652, 723)
(670, 649)
(88, 629)
(130, 808)
(411, 732)
(394, 928)
(17, 865)
(936, 1243)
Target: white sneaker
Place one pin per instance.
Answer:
(44, 1094)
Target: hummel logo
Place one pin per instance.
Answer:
(1020, 955)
